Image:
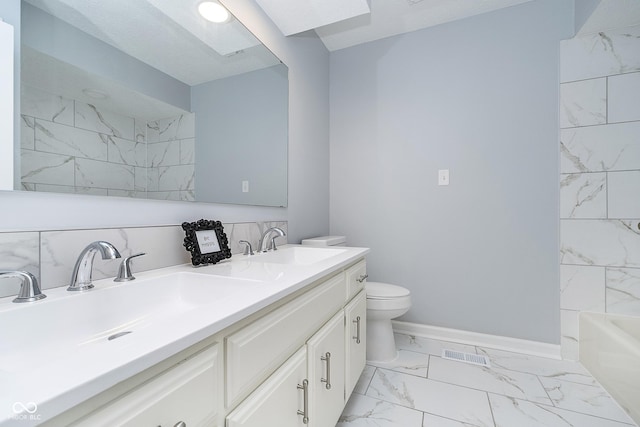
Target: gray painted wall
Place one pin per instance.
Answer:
(583, 10)
(243, 121)
(56, 38)
(478, 97)
(308, 207)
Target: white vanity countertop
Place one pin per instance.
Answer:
(48, 376)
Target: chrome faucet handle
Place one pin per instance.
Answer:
(124, 272)
(248, 250)
(29, 288)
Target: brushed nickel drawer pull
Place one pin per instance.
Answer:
(305, 412)
(180, 424)
(357, 337)
(362, 278)
(327, 358)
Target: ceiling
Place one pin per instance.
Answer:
(386, 17)
(188, 48)
(351, 26)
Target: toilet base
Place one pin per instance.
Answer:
(381, 345)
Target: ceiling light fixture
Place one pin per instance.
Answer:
(213, 11)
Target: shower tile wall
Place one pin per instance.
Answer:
(51, 255)
(600, 178)
(171, 158)
(73, 147)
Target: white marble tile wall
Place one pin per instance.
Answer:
(51, 255)
(171, 158)
(600, 178)
(74, 147)
(18, 251)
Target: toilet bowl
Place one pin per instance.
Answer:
(384, 303)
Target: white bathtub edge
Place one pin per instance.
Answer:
(612, 356)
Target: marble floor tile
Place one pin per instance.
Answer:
(437, 398)
(364, 380)
(518, 391)
(429, 346)
(408, 362)
(436, 421)
(496, 380)
(557, 369)
(591, 400)
(510, 412)
(364, 411)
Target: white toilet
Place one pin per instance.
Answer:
(384, 302)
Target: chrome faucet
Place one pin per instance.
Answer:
(272, 242)
(81, 277)
(29, 288)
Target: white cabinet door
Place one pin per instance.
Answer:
(280, 401)
(356, 340)
(188, 393)
(326, 354)
(257, 350)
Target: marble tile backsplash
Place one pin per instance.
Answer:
(51, 255)
(74, 147)
(600, 178)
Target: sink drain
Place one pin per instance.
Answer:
(118, 335)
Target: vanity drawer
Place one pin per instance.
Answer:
(257, 350)
(187, 392)
(356, 278)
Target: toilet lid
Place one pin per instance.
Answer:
(376, 290)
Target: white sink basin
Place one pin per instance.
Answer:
(62, 324)
(298, 255)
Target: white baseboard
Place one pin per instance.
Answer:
(516, 345)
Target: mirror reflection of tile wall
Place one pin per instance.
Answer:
(68, 146)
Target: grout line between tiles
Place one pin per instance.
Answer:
(544, 406)
(546, 391)
(491, 409)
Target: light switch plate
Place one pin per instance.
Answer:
(443, 177)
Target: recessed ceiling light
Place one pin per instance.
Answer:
(214, 12)
(95, 93)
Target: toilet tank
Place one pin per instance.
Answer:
(326, 241)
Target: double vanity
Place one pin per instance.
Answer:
(276, 338)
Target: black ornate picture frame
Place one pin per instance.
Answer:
(206, 241)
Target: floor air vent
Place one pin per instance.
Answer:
(472, 358)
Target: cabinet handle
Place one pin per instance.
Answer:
(327, 358)
(180, 424)
(305, 412)
(362, 278)
(357, 337)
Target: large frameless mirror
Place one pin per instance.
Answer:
(147, 99)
